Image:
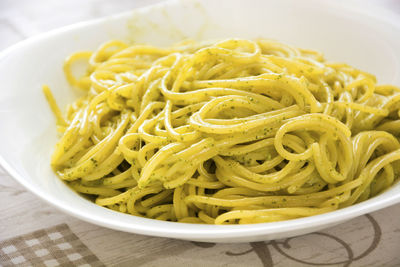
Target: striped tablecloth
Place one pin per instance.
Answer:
(32, 233)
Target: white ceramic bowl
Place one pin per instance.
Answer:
(27, 127)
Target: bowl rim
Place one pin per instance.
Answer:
(199, 231)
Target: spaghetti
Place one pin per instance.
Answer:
(235, 131)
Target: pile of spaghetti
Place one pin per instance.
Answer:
(227, 132)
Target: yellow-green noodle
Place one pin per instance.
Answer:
(227, 132)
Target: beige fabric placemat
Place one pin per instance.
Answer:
(53, 246)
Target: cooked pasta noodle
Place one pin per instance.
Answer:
(227, 132)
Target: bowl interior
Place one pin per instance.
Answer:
(28, 132)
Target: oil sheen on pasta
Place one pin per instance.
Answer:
(234, 131)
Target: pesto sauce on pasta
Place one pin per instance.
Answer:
(227, 132)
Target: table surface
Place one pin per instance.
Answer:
(34, 233)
